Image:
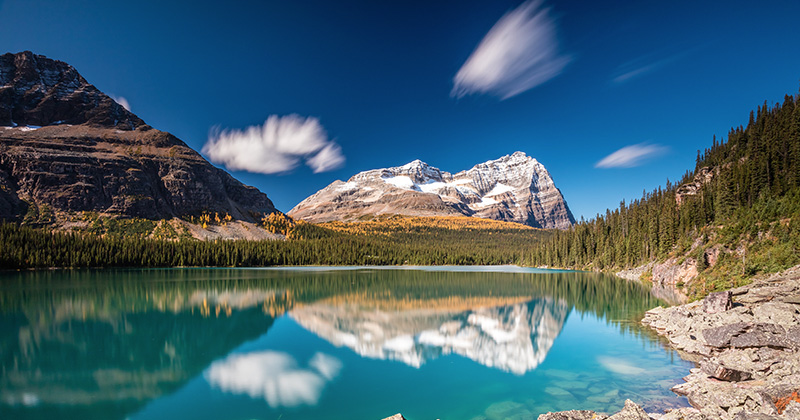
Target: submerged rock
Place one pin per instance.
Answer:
(504, 409)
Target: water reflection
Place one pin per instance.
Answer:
(274, 376)
(514, 337)
(84, 354)
(105, 343)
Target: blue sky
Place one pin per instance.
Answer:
(380, 83)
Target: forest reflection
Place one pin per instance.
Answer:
(101, 343)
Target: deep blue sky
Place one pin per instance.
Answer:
(378, 76)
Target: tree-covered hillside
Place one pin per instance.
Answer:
(391, 240)
(742, 199)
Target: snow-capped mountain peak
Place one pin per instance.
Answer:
(514, 188)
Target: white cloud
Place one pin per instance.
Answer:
(630, 156)
(122, 101)
(519, 53)
(329, 158)
(280, 145)
(275, 377)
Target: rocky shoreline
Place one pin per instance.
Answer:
(746, 342)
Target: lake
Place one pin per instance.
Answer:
(334, 343)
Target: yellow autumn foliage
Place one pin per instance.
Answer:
(388, 225)
(279, 223)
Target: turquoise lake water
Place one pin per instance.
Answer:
(314, 343)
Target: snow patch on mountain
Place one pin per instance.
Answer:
(512, 188)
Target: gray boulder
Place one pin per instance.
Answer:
(631, 411)
(717, 302)
(721, 336)
(573, 415)
(742, 334)
(755, 416)
(793, 335)
(724, 373)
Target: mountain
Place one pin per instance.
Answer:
(66, 147)
(514, 188)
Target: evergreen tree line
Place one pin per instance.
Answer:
(27, 247)
(749, 184)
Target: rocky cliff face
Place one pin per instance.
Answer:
(703, 176)
(38, 91)
(68, 146)
(514, 188)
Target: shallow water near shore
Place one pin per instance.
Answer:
(310, 343)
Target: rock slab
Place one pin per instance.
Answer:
(749, 356)
(717, 302)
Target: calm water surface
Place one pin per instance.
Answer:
(361, 343)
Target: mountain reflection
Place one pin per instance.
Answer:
(514, 337)
(104, 343)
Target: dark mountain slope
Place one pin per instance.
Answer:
(67, 147)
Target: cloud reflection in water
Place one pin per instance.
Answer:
(274, 376)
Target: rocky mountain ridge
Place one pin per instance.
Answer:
(514, 188)
(65, 146)
(38, 91)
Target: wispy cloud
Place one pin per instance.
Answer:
(280, 145)
(122, 101)
(275, 377)
(520, 52)
(328, 158)
(632, 72)
(631, 156)
(648, 63)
